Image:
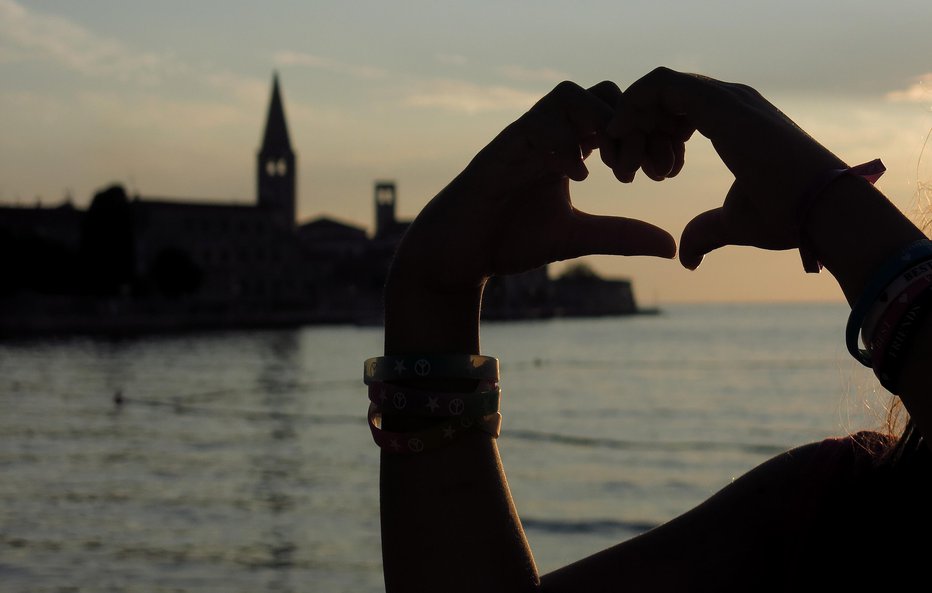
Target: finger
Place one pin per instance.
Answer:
(659, 157)
(612, 96)
(704, 233)
(585, 111)
(553, 143)
(700, 99)
(589, 234)
(682, 132)
(566, 125)
(629, 156)
(608, 92)
(679, 158)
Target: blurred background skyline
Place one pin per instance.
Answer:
(169, 99)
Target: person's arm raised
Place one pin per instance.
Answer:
(448, 521)
(851, 226)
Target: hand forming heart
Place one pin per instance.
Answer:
(510, 210)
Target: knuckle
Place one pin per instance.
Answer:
(608, 85)
(566, 87)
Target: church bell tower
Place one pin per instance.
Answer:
(276, 172)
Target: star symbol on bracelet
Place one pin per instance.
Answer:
(400, 366)
(432, 403)
(448, 431)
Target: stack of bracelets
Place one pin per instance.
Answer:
(890, 312)
(394, 391)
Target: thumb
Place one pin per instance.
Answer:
(590, 234)
(703, 234)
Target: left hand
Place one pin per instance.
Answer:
(510, 210)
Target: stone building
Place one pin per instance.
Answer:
(138, 263)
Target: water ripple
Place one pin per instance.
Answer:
(610, 443)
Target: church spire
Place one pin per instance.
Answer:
(276, 165)
(276, 130)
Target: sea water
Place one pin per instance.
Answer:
(241, 461)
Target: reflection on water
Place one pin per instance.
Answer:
(241, 462)
(213, 470)
(278, 459)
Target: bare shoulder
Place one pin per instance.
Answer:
(732, 541)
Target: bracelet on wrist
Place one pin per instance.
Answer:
(401, 391)
(887, 273)
(871, 171)
(449, 366)
(888, 360)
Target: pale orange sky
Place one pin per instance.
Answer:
(169, 99)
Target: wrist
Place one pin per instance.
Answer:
(853, 228)
(424, 321)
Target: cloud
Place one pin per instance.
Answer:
(465, 97)
(25, 35)
(295, 58)
(920, 91)
(242, 88)
(522, 74)
(148, 112)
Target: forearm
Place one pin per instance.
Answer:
(448, 521)
(854, 229)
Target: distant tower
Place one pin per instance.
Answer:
(276, 171)
(384, 208)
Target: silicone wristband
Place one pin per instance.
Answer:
(888, 371)
(889, 322)
(403, 401)
(457, 366)
(871, 171)
(433, 438)
(904, 284)
(886, 272)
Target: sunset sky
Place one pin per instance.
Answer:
(169, 99)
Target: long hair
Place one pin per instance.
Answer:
(908, 439)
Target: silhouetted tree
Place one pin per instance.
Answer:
(31, 263)
(579, 272)
(108, 243)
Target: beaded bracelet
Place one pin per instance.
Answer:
(889, 367)
(871, 171)
(886, 273)
(457, 366)
(485, 400)
(432, 438)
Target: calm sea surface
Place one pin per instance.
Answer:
(241, 461)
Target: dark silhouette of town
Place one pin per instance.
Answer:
(130, 264)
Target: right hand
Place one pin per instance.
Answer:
(772, 159)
